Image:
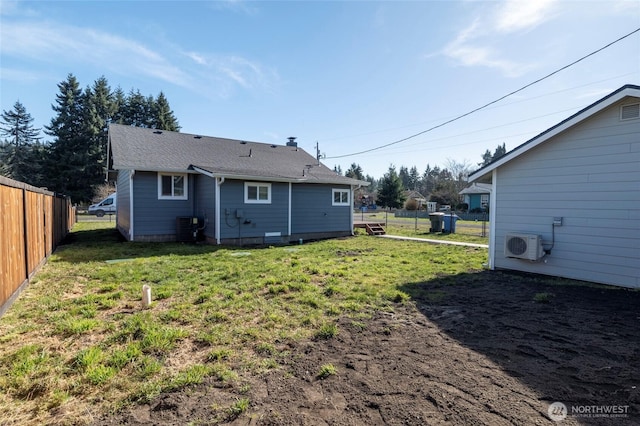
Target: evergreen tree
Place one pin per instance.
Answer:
(137, 110)
(337, 169)
(120, 104)
(98, 109)
(391, 192)
(499, 152)
(69, 168)
(414, 178)
(488, 158)
(355, 172)
(163, 118)
(404, 177)
(20, 140)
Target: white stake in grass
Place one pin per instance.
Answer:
(146, 296)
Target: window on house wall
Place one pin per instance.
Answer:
(484, 200)
(172, 186)
(257, 193)
(340, 197)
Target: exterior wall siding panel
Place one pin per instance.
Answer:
(261, 218)
(312, 210)
(205, 192)
(123, 201)
(590, 176)
(156, 219)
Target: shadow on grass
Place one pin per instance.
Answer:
(107, 244)
(569, 341)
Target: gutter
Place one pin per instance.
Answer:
(353, 192)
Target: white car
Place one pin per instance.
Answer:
(106, 206)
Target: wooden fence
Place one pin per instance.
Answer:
(33, 222)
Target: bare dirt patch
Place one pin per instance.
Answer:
(482, 348)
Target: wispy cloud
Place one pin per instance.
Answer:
(517, 15)
(49, 42)
(239, 6)
(20, 75)
(229, 72)
(478, 44)
(206, 73)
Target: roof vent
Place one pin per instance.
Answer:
(243, 142)
(292, 141)
(157, 132)
(197, 137)
(274, 146)
(629, 112)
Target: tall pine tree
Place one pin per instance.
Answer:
(19, 146)
(75, 162)
(99, 108)
(391, 191)
(163, 117)
(70, 165)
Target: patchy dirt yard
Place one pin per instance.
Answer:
(487, 348)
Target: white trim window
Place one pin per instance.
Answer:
(340, 197)
(257, 193)
(173, 186)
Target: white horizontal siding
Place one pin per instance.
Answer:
(590, 176)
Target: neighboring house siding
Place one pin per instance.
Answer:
(589, 176)
(205, 192)
(263, 218)
(156, 219)
(474, 201)
(123, 214)
(312, 210)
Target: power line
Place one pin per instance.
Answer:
(490, 103)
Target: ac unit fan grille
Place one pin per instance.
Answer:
(517, 246)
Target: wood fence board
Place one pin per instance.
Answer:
(33, 222)
(12, 231)
(35, 230)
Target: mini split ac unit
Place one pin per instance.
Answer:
(523, 246)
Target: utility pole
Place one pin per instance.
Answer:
(318, 152)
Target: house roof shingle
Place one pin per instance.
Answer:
(145, 149)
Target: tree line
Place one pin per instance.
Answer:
(440, 185)
(74, 161)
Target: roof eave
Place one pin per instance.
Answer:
(239, 176)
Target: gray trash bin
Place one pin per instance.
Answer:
(436, 222)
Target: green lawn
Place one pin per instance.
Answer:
(466, 231)
(78, 341)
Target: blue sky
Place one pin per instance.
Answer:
(348, 75)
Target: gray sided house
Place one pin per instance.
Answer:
(172, 186)
(567, 202)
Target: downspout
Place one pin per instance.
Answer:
(219, 182)
(133, 172)
(351, 201)
(492, 219)
(289, 213)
